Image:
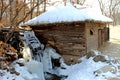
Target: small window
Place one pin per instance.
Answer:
(91, 32)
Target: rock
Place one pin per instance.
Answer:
(21, 61)
(105, 69)
(13, 71)
(99, 58)
(113, 79)
(21, 64)
(54, 77)
(90, 54)
(2, 74)
(17, 73)
(4, 65)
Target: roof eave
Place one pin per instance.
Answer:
(103, 22)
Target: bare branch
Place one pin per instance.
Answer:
(3, 9)
(25, 16)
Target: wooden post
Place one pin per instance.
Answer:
(44, 5)
(65, 2)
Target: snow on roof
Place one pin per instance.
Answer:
(67, 13)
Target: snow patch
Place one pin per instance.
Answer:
(31, 71)
(88, 69)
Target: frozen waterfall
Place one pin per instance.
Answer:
(33, 49)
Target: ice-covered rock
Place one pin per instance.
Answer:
(90, 54)
(50, 54)
(99, 58)
(105, 69)
(36, 67)
(27, 53)
(32, 70)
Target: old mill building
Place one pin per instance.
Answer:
(73, 32)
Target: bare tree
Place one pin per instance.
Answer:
(102, 6)
(18, 11)
(110, 8)
(44, 5)
(80, 2)
(37, 9)
(30, 11)
(3, 7)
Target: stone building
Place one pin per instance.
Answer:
(71, 31)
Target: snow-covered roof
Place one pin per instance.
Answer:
(67, 13)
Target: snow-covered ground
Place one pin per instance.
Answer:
(88, 69)
(32, 70)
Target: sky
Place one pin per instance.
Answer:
(94, 4)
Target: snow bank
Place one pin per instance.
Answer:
(49, 54)
(32, 70)
(35, 67)
(67, 13)
(88, 69)
(84, 70)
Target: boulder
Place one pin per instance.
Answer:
(99, 58)
(113, 79)
(90, 54)
(105, 69)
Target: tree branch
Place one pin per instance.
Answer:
(26, 15)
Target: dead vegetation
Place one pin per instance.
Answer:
(7, 55)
